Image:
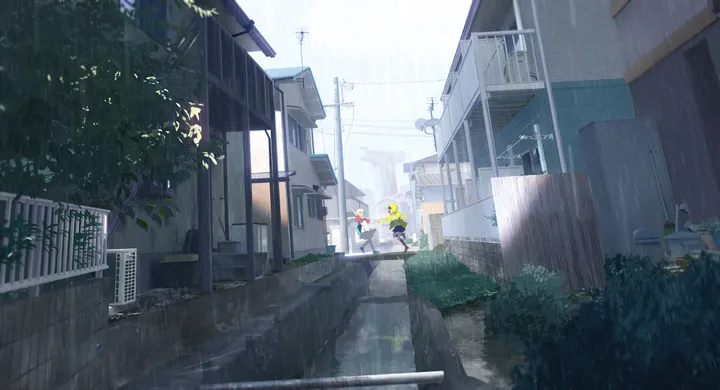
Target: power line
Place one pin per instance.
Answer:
(381, 134)
(396, 82)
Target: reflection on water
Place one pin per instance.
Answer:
(488, 360)
(377, 338)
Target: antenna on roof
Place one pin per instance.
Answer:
(301, 33)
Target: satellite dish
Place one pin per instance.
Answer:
(432, 122)
(420, 124)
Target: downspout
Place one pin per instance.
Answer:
(283, 111)
(226, 191)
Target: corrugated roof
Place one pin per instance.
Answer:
(312, 96)
(285, 73)
(435, 179)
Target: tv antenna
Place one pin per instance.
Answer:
(301, 34)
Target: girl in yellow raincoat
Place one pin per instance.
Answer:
(397, 224)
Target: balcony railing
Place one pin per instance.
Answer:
(472, 223)
(226, 62)
(44, 241)
(491, 61)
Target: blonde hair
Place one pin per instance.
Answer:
(360, 212)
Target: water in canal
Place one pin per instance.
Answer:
(376, 338)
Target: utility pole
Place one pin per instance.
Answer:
(431, 107)
(341, 201)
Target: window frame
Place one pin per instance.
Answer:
(298, 212)
(312, 207)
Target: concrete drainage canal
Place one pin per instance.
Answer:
(360, 320)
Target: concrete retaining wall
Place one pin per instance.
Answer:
(434, 350)
(243, 344)
(53, 340)
(481, 257)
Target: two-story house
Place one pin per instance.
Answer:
(671, 52)
(238, 99)
(497, 103)
(304, 176)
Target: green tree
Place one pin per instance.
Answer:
(86, 106)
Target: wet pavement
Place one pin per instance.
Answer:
(376, 338)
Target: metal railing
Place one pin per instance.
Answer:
(489, 59)
(45, 241)
(509, 57)
(339, 382)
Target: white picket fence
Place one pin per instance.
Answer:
(67, 241)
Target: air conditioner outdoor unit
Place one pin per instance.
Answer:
(125, 267)
(520, 68)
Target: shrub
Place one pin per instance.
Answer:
(446, 282)
(647, 329)
(531, 307)
(423, 241)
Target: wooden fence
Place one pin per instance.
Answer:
(549, 220)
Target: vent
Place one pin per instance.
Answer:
(125, 267)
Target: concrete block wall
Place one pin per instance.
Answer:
(49, 341)
(435, 234)
(481, 257)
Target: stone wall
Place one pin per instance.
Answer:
(481, 257)
(53, 340)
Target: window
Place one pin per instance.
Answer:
(298, 216)
(298, 135)
(312, 208)
(531, 162)
(152, 17)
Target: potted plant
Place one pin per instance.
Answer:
(709, 231)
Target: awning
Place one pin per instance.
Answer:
(323, 169)
(301, 117)
(264, 177)
(305, 190)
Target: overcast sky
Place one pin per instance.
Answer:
(396, 45)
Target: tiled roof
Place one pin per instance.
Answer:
(435, 180)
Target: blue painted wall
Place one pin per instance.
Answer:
(578, 103)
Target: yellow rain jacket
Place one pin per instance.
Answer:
(395, 217)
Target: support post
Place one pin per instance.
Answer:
(548, 87)
(247, 172)
(288, 197)
(490, 134)
(471, 156)
(442, 184)
(458, 171)
(204, 190)
(342, 201)
(540, 147)
(275, 218)
(450, 183)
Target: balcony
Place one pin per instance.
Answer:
(498, 74)
(227, 61)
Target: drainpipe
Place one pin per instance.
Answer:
(283, 116)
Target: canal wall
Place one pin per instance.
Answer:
(278, 340)
(434, 349)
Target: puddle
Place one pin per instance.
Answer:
(490, 361)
